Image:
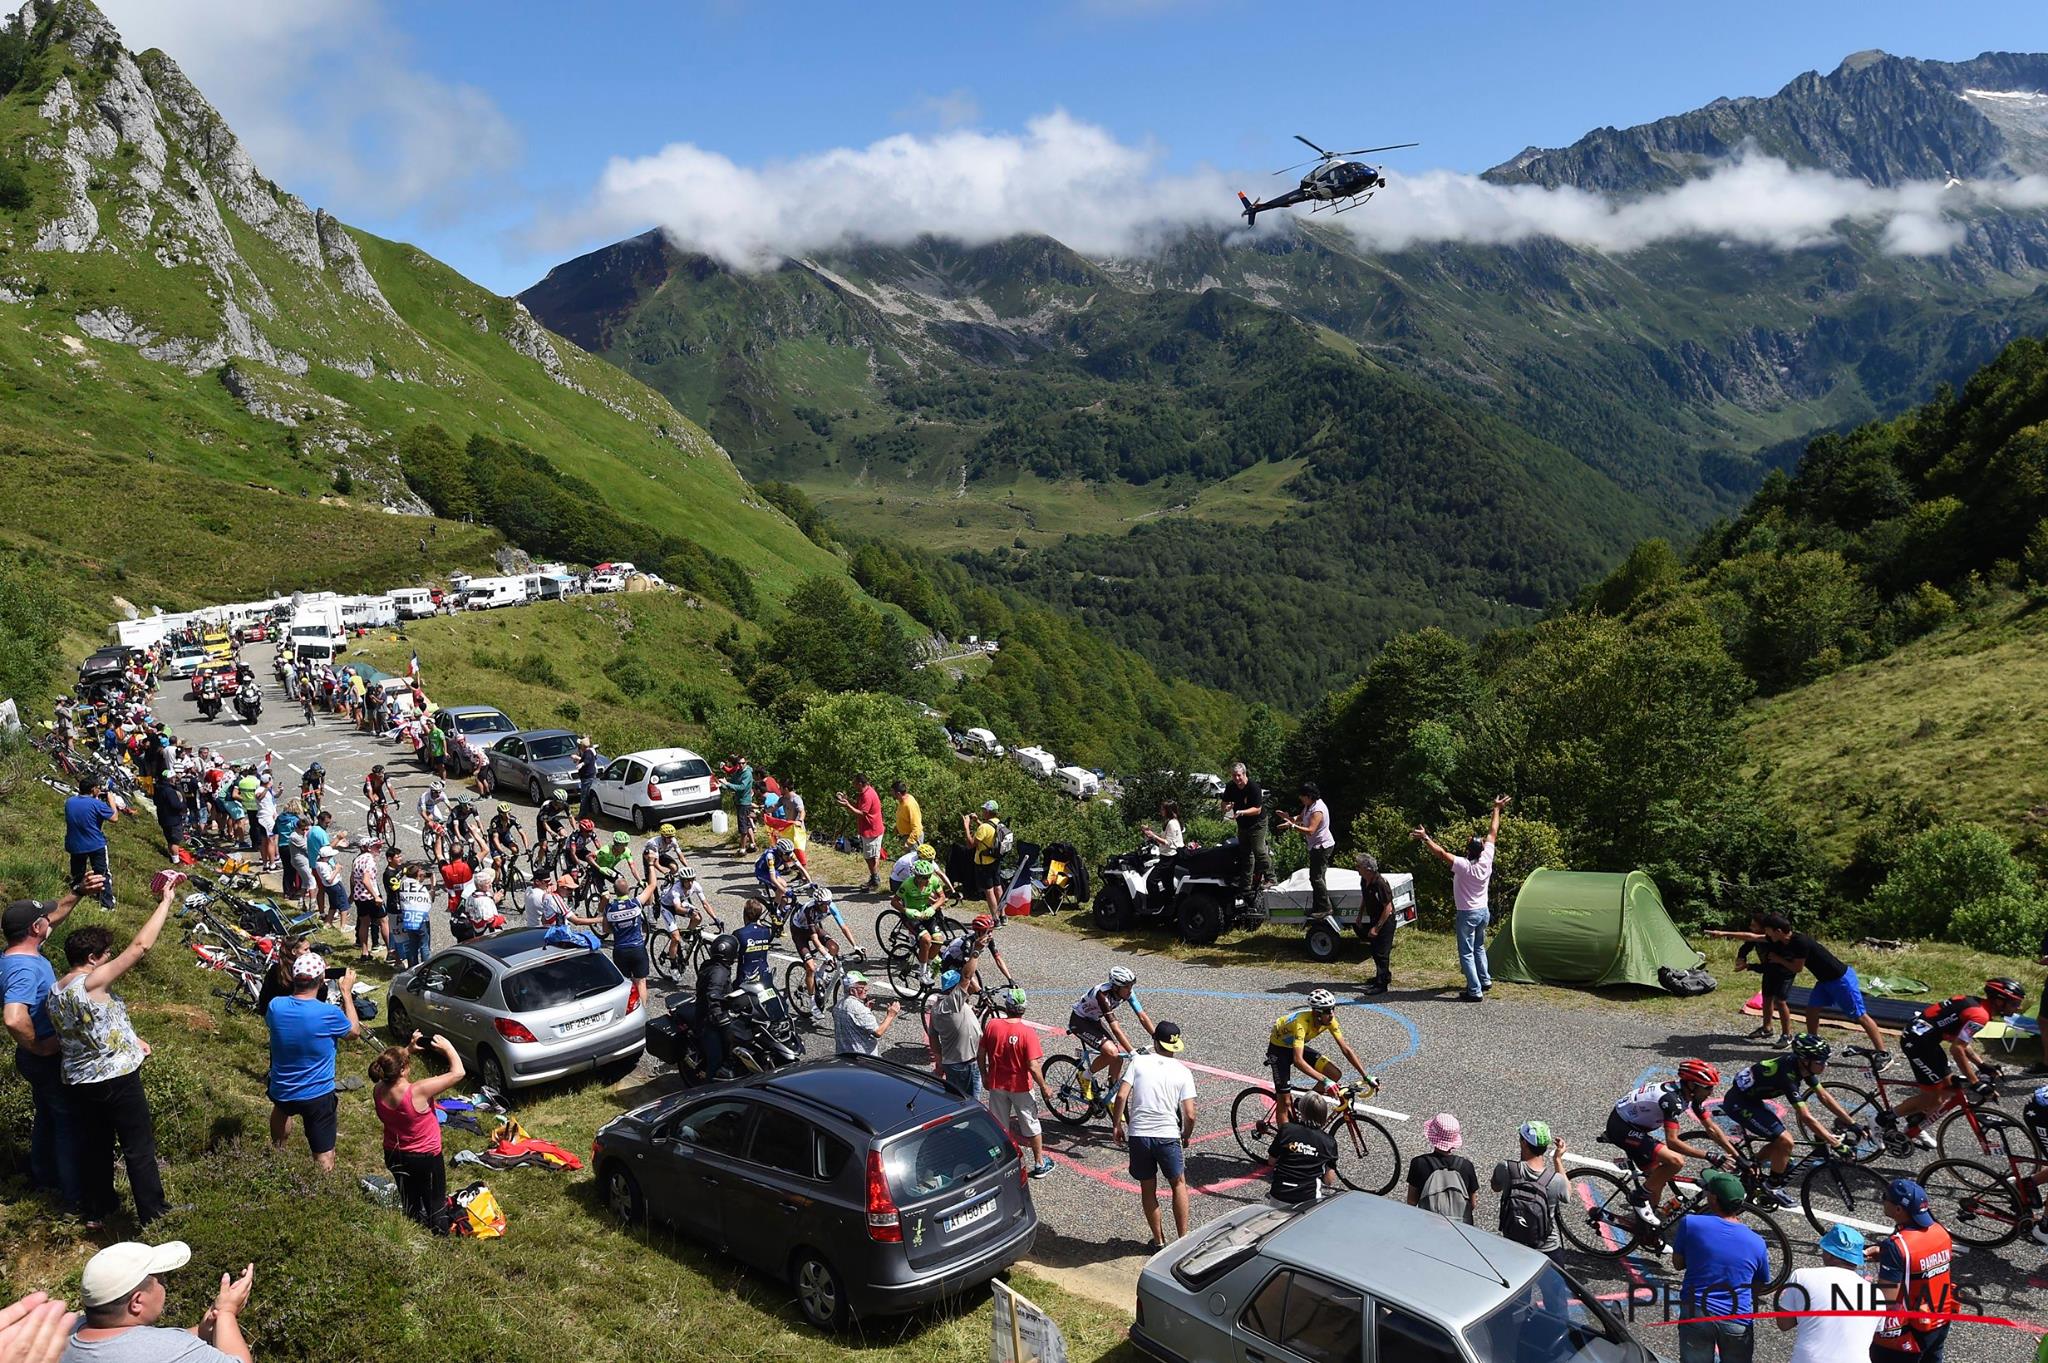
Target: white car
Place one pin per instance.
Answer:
(185, 661)
(657, 786)
(605, 582)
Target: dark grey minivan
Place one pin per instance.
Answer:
(872, 1187)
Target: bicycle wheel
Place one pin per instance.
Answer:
(1837, 1191)
(1955, 1139)
(906, 977)
(1251, 1121)
(666, 960)
(1976, 1205)
(893, 934)
(1595, 1216)
(1863, 1108)
(1368, 1161)
(1063, 1079)
(796, 995)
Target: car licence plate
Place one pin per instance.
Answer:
(981, 1211)
(584, 1024)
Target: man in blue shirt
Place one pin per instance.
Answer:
(85, 818)
(754, 940)
(1723, 1262)
(26, 979)
(303, 1033)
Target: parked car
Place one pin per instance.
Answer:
(522, 1011)
(605, 582)
(535, 761)
(482, 725)
(1267, 1282)
(874, 1188)
(648, 788)
(185, 661)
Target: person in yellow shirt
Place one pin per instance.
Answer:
(909, 818)
(980, 827)
(1288, 1051)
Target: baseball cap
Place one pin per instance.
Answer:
(1536, 1135)
(1909, 1197)
(1443, 1132)
(309, 966)
(327, 853)
(1166, 1038)
(1726, 1188)
(21, 915)
(119, 1269)
(1844, 1243)
(988, 806)
(854, 977)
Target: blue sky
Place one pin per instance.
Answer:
(481, 132)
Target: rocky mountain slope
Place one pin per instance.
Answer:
(168, 301)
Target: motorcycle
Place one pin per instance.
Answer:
(209, 705)
(248, 704)
(754, 1043)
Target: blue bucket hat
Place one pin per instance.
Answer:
(1844, 1243)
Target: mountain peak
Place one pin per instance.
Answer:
(1857, 61)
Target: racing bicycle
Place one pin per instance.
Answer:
(1078, 1093)
(1598, 1215)
(1368, 1158)
(1969, 1127)
(809, 1004)
(1836, 1184)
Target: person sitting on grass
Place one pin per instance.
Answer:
(122, 1291)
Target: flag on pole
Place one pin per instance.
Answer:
(412, 669)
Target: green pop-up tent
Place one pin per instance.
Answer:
(1588, 928)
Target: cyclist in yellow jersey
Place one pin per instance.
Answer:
(1288, 1051)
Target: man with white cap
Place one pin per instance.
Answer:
(122, 1292)
(1837, 1285)
(303, 1033)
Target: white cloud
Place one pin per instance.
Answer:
(1077, 182)
(954, 109)
(328, 98)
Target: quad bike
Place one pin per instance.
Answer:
(1199, 891)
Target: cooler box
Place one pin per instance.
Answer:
(1291, 899)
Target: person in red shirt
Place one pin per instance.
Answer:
(1943, 1030)
(1913, 1276)
(866, 806)
(1010, 1068)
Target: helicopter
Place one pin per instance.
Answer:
(1335, 183)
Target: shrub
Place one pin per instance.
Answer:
(1941, 873)
(14, 192)
(2007, 924)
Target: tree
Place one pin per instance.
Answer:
(856, 734)
(1651, 569)
(1262, 742)
(1945, 871)
(1374, 747)
(30, 616)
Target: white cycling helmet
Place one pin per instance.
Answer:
(1122, 975)
(1322, 1000)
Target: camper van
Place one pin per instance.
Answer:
(317, 628)
(412, 603)
(368, 612)
(982, 741)
(545, 586)
(1037, 762)
(1078, 782)
(487, 592)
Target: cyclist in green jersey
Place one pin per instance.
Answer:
(920, 897)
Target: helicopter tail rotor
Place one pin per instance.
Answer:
(1251, 210)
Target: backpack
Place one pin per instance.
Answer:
(1443, 1192)
(475, 1212)
(1685, 983)
(1525, 1207)
(1006, 841)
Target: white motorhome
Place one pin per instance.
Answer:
(318, 627)
(412, 603)
(484, 593)
(1078, 782)
(368, 612)
(981, 740)
(144, 633)
(1037, 762)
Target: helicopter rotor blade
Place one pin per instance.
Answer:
(1310, 145)
(1362, 151)
(1289, 170)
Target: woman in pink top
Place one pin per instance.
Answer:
(412, 1133)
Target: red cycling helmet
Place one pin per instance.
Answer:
(586, 825)
(984, 923)
(1699, 1073)
(2006, 991)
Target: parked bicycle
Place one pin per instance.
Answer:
(1368, 1158)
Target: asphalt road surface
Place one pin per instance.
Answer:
(1494, 1064)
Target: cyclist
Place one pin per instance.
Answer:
(1645, 1125)
(614, 861)
(1942, 1030)
(777, 870)
(551, 822)
(963, 953)
(579, 859)
(378, 796)
(434, 816)
(1788, 1079)
(312, 787)
(681, 895)
(663, 856)
(1093, 1023)
(465, 830)
(2036, 1117)
(1288, 1051)
(503, 839)
(919, 898)
(306, 698)
(808, 930)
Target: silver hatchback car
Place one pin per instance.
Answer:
(1359, 1277)
(522, 1011)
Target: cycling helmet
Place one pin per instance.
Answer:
(1122, 975)
(1811, 1049)
(949, 980)
(621, 838)
(983, 923)
(1322, 1000)
(1012, 1000)
(438, 786)
(2004, 989)
(586, 825)
(667, 830)
(2041, 1096)
(688, 873)
(315, 767)
(726, 947)
(921, 867)
(783, 847)
(927, 851)
(560, 794)
(1698, 1073)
